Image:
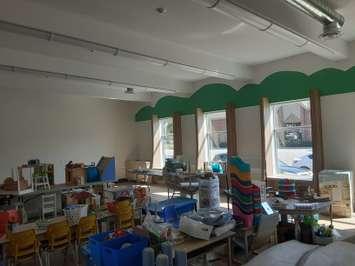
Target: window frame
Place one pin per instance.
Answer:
(164, 138)
(275, 171)
(208, 117)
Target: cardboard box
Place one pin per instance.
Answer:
(75, 174)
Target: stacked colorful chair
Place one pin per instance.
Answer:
(246, 196)
(287, 188)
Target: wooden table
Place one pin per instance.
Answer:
(194, 246)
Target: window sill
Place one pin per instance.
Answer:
(292, 177)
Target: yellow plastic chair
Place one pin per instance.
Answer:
(125, 214)
(123, 204)
(58, 236)
(87, 227)
(23, 246)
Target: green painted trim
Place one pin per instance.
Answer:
(279, 86)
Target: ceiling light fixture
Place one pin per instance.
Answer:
(142, 58)
(217, 75)
(191, 69)
(232, 10)
(287, 35)
(94, 46)
(73, 77)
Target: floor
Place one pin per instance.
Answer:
(345, 227)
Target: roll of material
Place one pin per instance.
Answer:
(148, 257)
(180, 258)
(167, 249)
(162, 260)
(209, 193)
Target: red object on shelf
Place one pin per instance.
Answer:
(14, 216)
(4, 220)
(111, 206)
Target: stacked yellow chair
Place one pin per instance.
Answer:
(125, 215)
(23, 246)
(86, 227)
(58, 236)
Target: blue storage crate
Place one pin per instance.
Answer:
(107, 168)
(95, 247)
(92, 174)
(85, 251)
(182, 205)
(114, 255)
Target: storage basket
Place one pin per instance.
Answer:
(75, 212)
(322, 240)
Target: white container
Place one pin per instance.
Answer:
(209, 193)
(338, 186)
(73, 213)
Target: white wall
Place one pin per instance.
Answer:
(339, 131)
(59, 128)
(305, 63)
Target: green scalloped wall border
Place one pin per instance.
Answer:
(279, 86)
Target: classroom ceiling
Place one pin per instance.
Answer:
(184, 32)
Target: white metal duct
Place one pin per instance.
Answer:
(322, 11)
(261, 15)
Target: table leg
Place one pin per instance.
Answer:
(246, 245)
(297, 227)
(229, 251)
(331, 214)
(3, 250)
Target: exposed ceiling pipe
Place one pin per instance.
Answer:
(322, 11)
(233, 9)
(115, 51)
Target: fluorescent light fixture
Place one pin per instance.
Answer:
(143, 58)
(19, 29)
(91, 46)
(218, 75)
(287, 35)
(232, 10)
(191, 69)
(66, 76)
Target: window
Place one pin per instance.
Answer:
(216, 136)
(167, 139)
(292, 139)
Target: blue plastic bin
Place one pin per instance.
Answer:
(85, 251)
(114, 255)
(95, 247)
(92, 174)
(182, 205)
